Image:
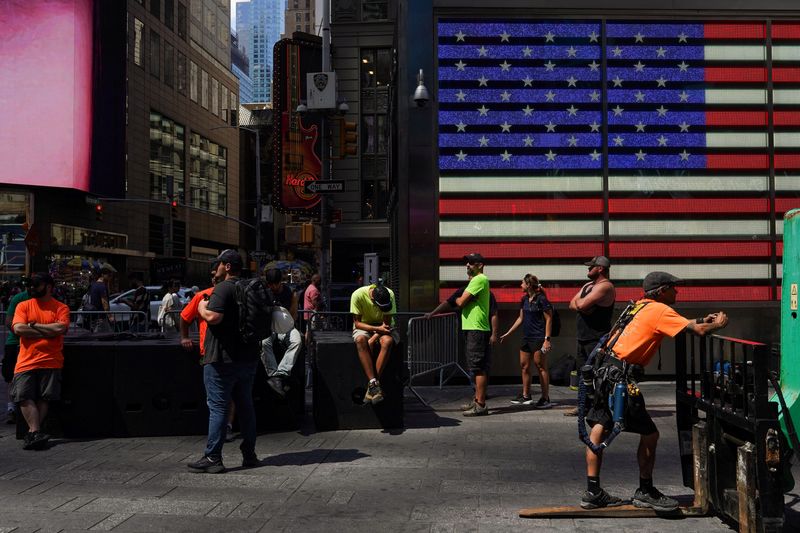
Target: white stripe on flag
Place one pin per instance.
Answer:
(521, 228)
(779, 226)
(735, 53)
(745, 139)
(735, 96)
(786, 97)
(785, 52)
(491, 184)
(787, 139)
(787, 183)
(688, 183)
(699, 271)
(688, 228)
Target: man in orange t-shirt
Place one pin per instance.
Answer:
(636, 345)
(41, 323)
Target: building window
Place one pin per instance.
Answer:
(181, 74)
(204, 89)
(155, 8)
(138, 30)
(234, 110)
(208, 175)
(193, 81)
(181, 21)
(179, 238)
(376, 67)
(169, 15)
(167, 158)
(155, 54)
(214, 96)
(169, 64)
(224, 100)
(374, 10)
(155, 235)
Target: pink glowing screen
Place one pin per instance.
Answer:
(46, 93)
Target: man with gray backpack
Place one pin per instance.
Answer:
(238, 315)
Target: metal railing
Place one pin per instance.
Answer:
(433, 347)
(83, 322)
(727, 380)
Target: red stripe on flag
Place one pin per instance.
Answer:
(736, 74)
(736, 118)
(787, 161)
(779, 250)
(786, 118)
(783, 205)
(688, 205)
(521, 250)
(734, 161)
(523, 206)
(705, 249)
(706, 294)
(685, 294)
(785, 74)
(749, 30)
(785, 30)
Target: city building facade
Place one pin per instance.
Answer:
(240, 66)
(259, 25)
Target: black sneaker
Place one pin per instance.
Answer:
(601, 499)
(544, 403)
(35, 440)
(276, 384)
(521, 400)
(653, 499)
(207, 465)
(250, 460)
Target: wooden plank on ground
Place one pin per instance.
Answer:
(622, 511)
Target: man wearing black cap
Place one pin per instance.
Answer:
(373, 308)
(229, 367)
(594, 304)
(474, 305)
(636, 345)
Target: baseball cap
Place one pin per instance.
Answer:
(229, 256)
(382, 298)
(598, 260)
(658, 279)
(474, 257)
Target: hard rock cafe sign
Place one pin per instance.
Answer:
(297, 157)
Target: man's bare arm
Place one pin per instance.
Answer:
(600, 293)
(710, 323)
(463, 300)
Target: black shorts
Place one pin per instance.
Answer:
(10, 361)
(531, 345)
(39, 384)
(637, 419)
(584, 350)
(478, 350)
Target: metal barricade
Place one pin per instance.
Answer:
(734, 457)
(107, 322)
(433, 347)
(329, 320)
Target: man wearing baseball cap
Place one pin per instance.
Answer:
(636, 345)
(474, 305)
(373, 308)
(594, 305)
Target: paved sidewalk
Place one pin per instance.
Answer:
(442, 473)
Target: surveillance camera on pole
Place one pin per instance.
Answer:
(302, 109)
(421, 95)
(343, 108)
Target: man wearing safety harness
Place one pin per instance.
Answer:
(651, 319)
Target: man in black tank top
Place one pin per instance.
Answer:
(594, 304)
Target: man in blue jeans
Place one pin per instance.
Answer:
(229, 367)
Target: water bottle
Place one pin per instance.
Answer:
(616, 402)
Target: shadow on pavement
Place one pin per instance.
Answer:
(319, 455)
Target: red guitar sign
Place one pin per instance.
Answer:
(297, 161)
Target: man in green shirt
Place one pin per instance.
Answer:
(11, 349)
(474, 305)
(373, 308)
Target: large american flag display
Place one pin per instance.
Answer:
(660, 144)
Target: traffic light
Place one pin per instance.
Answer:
(98, 212)
(349, 138)
(173, 206)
